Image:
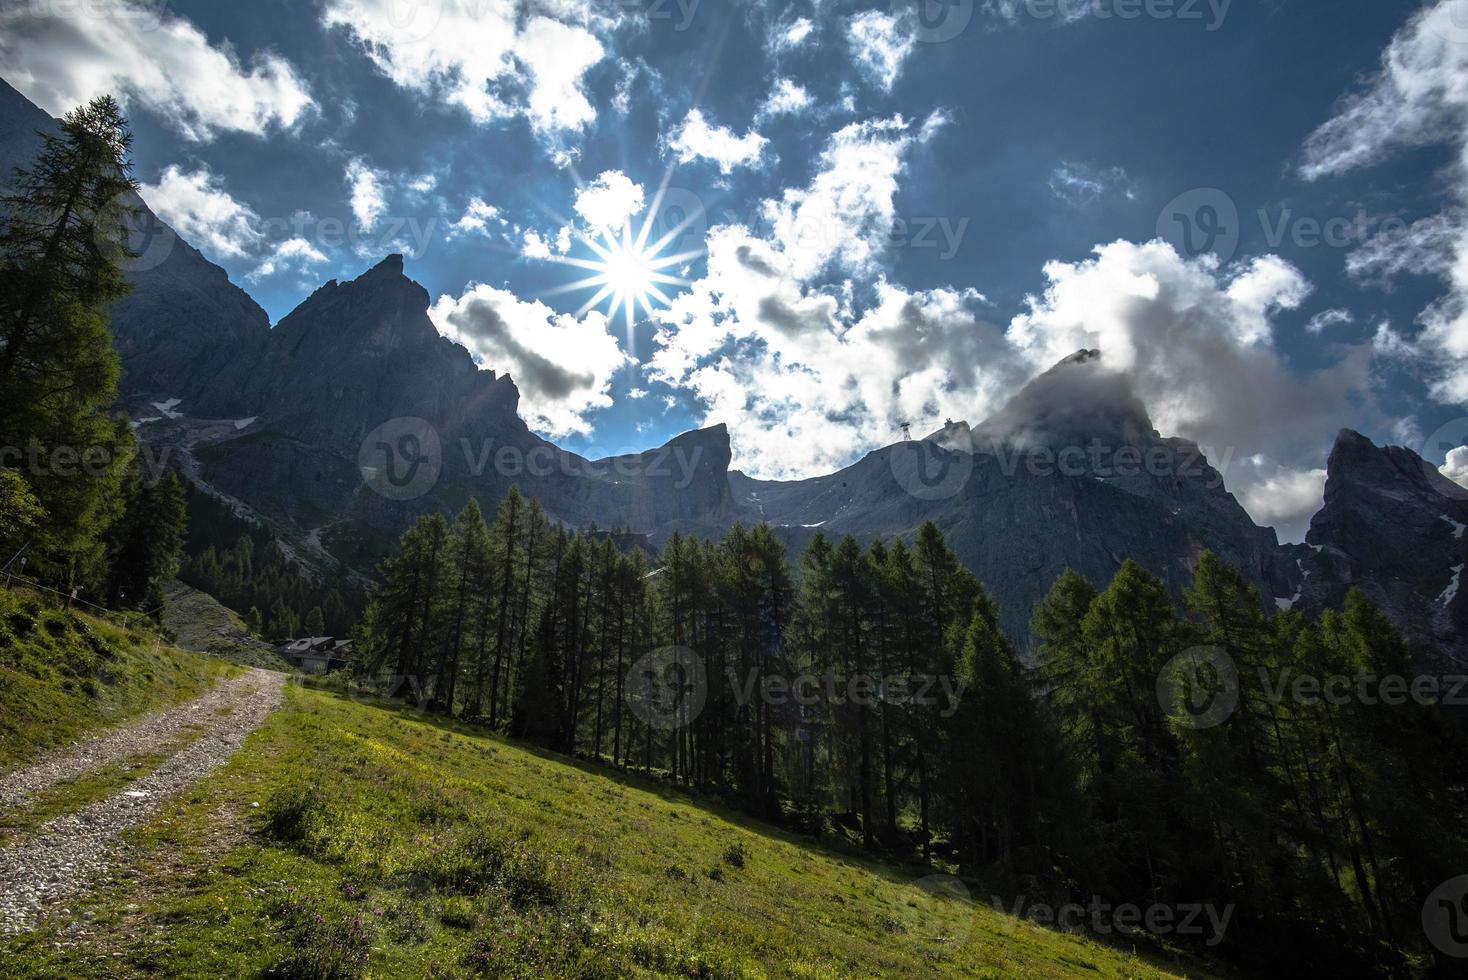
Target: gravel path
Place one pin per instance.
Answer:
(116, 745)
(64, 855)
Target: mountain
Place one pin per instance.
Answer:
(1070, 473)
(1394, 527)
(355, 416)
(184, 320)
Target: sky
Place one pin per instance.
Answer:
(853, 215)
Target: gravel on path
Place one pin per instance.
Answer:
(63, 856)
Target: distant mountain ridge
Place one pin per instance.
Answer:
(353, 416)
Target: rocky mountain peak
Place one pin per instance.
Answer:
(1077, 401)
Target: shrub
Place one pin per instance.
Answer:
(736, 854)
(294, 811)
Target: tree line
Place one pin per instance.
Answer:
(1324, 825)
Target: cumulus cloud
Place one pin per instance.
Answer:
(609, 201)
(880, 45)
(1286, 500)
(1419, 97)
(294, 253)
(196, 205)
(367, 198)
(476, 218)
(786, 97)
(482, 55)
(791, 35)
(1456, 467)
(844, 216)
(533, 246)
(696, 139)
(60, 58)
(563, 366)
(1198, 343)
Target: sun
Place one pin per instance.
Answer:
(628, 271)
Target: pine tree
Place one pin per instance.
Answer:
(62, 236)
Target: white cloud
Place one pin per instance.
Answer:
(297, 253)
(367, 196)
(534, 247)
(1456, 466)
(791, 35)
(845, 215)
(1079, 184)
(880, 45)
(1198, 344)
(609, 201)
(1325, 319)
(423, 184)
(476, 218)
(197, 206)
(482, 55)
(1419, 97)
(1286, 499)
(60, 57)
(563, 366)
(695, 139)
(785, 97)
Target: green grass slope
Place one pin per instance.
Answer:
(351, 840)
(200, 623)
(64, 675)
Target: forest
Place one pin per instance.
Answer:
(868, 693)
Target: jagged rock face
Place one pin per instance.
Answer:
(1397, 529)
(361, 355)
(184, 321)
(1069, 474)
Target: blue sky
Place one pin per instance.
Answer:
(901, 212)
